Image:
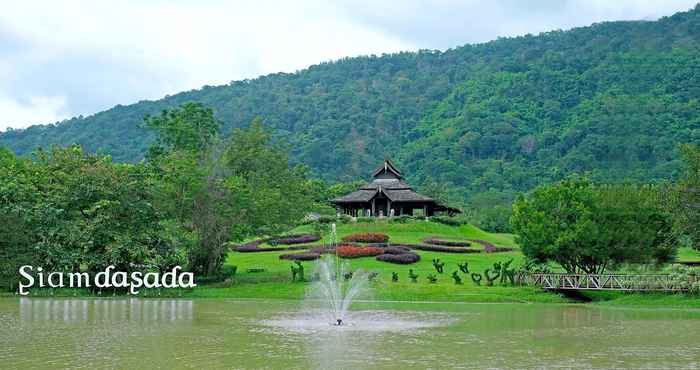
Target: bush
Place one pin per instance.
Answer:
(366, 238)
(367, 220)
(451, 221)
(322, 250)
(353, 251)
(447, 243)
(401, 259)
(402, 219)
(294, 239)
(304, 256)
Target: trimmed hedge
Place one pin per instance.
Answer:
(304, 256)
(490, 248)
(352, 251)
(439, 248)
(366, 238)
(294, 239)
(401, 259)
(447, 243)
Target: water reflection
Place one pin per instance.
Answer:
(101, 310)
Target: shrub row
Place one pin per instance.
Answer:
(447, 243)
(448, 220)
(353, 251)
(366, 238)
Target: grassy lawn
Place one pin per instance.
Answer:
(275, 281)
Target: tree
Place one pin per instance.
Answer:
(587, 228)
(687, 207)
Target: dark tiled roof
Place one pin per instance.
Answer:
(389, 166)
(356, 196)
(386, 184)
(406, 195)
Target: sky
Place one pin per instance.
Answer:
(64, 58)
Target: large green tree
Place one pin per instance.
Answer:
(587, 228)
(687, 207)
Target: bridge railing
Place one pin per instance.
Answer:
(637, 282)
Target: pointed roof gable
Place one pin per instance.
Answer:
(387, 167)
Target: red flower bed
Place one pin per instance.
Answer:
(366, 238)
(352, 251)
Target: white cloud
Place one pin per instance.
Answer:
(37, 110)
(64, 58)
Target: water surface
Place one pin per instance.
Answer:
(135, 333)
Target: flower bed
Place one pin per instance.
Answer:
(294, 239)
(304, 256)
(397, 249)
(400, 258)
(352, 251)
(490, 248)
(446, 243)
(366, 238)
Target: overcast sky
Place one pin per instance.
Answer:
(60, 59)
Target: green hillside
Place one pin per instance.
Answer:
(612, 100)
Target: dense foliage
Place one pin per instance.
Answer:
(587, 228)
(687, 205)
(613, 99)
(70, 211)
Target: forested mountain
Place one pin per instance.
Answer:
(612, 100)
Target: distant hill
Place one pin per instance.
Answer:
(612, 100)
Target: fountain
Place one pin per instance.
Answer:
(336, 286)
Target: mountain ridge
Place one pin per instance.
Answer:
(612, 100)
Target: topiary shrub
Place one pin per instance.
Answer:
(476, 278)
(352, 251)
(394, 277)
(366, 238)
(456, 277)
(413, 276)
(446, 243)
(439, 266)
(401, 259)
(464, 267)
(305, 256)
(432, 279)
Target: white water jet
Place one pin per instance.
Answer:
(336, 287)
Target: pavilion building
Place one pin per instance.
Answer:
(388, 195)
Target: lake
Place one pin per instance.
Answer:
(252, 334)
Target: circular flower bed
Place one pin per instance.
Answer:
(353, 251)
(447, 243)
(366, 238)
(304, 256)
